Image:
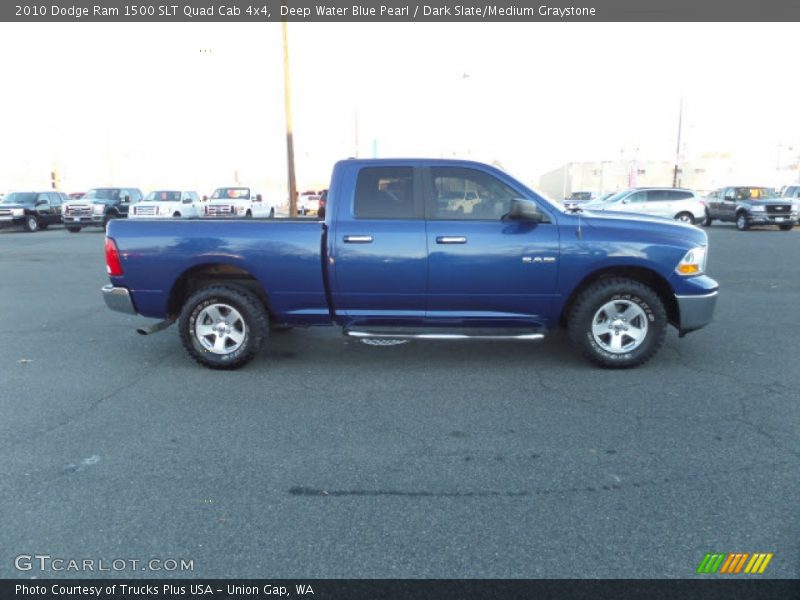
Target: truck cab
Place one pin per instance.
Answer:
(237, 202)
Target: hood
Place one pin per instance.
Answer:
(636, 223)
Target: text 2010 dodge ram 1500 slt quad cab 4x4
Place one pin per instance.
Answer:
(396, 257)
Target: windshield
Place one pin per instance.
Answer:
(102, 194)
(163, 196)
(19, 198)
(615, 197)
(755, 193)
(230, 193)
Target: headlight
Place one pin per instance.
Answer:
(99, 209)
(17, 212)
(693, 262)
(758, 209)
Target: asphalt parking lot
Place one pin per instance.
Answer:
(329, 458)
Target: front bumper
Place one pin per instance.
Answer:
(83, 221)
(768, 219)
(695, 311)
(118, 299)
(12, 221)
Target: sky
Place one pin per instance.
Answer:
(201, 105)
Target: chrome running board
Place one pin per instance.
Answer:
(405, 335)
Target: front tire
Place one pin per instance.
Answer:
(73, 229)
(618, 323)
(786, 226)
(707, 220)
(108, 218)
(31, 224)
(272, 213)
(742, 224)
(223, 326)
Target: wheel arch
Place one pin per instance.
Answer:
(649, 277)
(204, 275)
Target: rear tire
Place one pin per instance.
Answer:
(617, 323)
(742, 224)
(223, 326)
(73, 229)
(707, 220)
(31, 224)
(176, 215)
(272, 213)
(685, 217)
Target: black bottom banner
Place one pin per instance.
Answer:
(372, 589)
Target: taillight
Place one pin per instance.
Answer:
(113, 266)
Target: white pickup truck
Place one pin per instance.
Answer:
(241, 202)
(162, 204)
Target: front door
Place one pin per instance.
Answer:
(483, 267)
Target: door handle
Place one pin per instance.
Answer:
(358, 239)
(451, 239)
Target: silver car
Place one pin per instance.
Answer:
(671, 203)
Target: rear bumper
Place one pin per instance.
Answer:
(118, 299)
(695, 311)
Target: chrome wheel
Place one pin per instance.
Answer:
(220, 329)
(685, 218)
(31, 223)
(619, 326)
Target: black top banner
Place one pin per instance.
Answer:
(255, 11)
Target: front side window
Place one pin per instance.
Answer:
(469, 194)
(384, 193)
(43, 198)
(637, 197)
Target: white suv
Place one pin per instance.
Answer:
(167, 204)
(671, 203)
(237, 202)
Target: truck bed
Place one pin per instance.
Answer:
(284, 255)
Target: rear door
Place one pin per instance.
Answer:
(378, 256)
(482, 267)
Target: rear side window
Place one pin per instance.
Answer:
(676, 195)
(384, 193)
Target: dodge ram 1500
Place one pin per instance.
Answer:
(397, 257)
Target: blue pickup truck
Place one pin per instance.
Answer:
(431, 249)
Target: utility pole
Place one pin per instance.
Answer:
(287, 100)
(678, 149)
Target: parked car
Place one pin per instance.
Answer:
(792, 192)
(173, 204)
(750, 205)
(241, 202)
(76, 195)
(31, 210)
(323, 201)
(308, 203)
(671, 203)
(390, 262)
(98, 206)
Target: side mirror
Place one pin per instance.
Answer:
(40, 202)
(525, 210)
(258, 197)
(126, 199)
